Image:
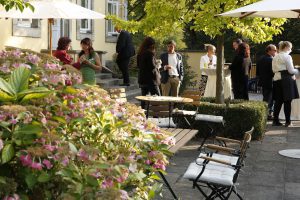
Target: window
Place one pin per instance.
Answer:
(118, 8)
(86, 24)
(28, 23)
(112, 9)
(26, 27)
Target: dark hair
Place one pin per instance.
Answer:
(63, 42)
(88, 42)
(172, 42)
(238, 41)
(147, 44)
(270, 47)
(244, 50)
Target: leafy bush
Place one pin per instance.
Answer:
(63, 140)
(239, 117)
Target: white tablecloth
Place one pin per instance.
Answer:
(210, 89)
(295, 114)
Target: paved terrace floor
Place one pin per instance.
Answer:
(266, 176)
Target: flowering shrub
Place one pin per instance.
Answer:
(63, 140)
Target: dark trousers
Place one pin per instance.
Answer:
(152, 89)
(287, 110)
(123, 66)
(268, 97)
(240, 88)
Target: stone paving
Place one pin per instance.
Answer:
(266, 176)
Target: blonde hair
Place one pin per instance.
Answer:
(284, 44)
(210, 47)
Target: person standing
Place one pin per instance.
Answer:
(210, 59)
(284, 85)
(236, 43)
(171, 71)
(240, 69)
(149, 76)
(265, 76)
(125, 50)
(89, 62)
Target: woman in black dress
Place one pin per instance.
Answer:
(149, 75)
(240, 69)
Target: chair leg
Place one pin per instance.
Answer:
(237, 194)
(168, 185)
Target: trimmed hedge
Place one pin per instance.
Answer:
(239, 116)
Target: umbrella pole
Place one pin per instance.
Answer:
(50, 23)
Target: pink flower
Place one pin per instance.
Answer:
(124, 195)
(152, 153)
(48, 164)
(26, 160)
(159, 165)
(13, 121)
(83, 155)
(107, 183)
(148, 162)
(16, 53)
(1, 144)
(15, 197)
(49, 147)
(36, 165)
(44, 120)
(96, 174)
(65, 161)
(34, 59)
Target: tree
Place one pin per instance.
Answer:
(18, 4)
(163, 17)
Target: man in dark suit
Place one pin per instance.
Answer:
(265, 75)
(125, 50)
(171, 70)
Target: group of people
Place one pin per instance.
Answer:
(88, 60)
(239, 68)
(277, 76)
(161, 76)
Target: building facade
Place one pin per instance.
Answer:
(33, 34)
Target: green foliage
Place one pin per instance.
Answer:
(18, 4)
(16, 88)
(189, 74)
(239, 117)
(161, 19)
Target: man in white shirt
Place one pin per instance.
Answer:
(171, 71)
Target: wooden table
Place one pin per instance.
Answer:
(167, 99)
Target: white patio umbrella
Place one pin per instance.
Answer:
(52, 9)
(268, 8)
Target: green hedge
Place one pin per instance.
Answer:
(239, 117)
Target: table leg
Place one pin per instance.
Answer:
(147, 112)
(170, 113)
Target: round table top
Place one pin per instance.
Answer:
(164, 99)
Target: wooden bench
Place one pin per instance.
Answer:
(182, 136)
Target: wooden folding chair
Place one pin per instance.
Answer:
(218, 172)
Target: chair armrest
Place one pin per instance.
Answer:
(228, 140)
(220, 148)
(215, 160)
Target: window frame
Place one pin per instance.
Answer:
(89, 21)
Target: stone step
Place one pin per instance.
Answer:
(103, 75)
(131, 94)
(107, 83)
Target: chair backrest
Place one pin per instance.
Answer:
(192, 94)
(118, 93)
(243, 150)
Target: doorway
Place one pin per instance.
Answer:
(60, 28)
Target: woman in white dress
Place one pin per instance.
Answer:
(284, 82)
(207, 61)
